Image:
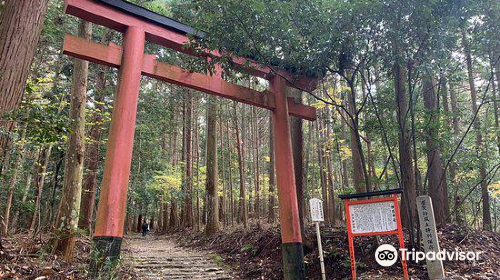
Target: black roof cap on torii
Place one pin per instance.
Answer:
(153, 17)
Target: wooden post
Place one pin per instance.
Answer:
(320, 251)
(317, 216)
(111, 210)
(293, 263)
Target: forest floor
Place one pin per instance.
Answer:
(253, 253)
(156, 258)
(25, 256)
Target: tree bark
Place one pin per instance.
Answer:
(495, 61)
(357, 164)
(322, 169)
(21, 22)
(17, 165)
(211, 183)
(459, 215)
(479, 137)
(271, 218)
(223, 213)
(438, 189)
(69, 207)
(408, 206)
(41, 172)
(256, 144)
(230, 172)
(243, 210)
(343, 136)
(93, 157)
(298, 155)
(187, 218)
(13, 225)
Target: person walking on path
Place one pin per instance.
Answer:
(145, 228)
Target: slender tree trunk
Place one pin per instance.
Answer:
(343, 136)
(459, 215)
(187, 218)
(200, 217)
(256, 143)
(408, 206)
(495, 60)
(223, 213)
(40, 181)
(159, 214)
(479, 136)
(298, 155)
(358, 168)
(495, 102)
(329, 168)
(152, 221)
(368, 136)
(438, 189)
(322, 170)
(93, 157)
(27, 186)
(164, 216)
(20, 25)
(230, 172)
(271, 218)
(52, 211)
(174, 215)
(211, 182)
(139, 223)
(69, 207)
(17, 165)
(243, 210)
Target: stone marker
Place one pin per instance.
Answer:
(430, 240)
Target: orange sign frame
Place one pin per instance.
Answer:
(351, 235)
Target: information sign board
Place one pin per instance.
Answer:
(373, 217)
(316, 206)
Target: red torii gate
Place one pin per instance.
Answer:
(140, 25)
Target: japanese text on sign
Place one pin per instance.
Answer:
(373, 217)
(316, 206)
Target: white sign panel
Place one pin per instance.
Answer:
(373, 217)
(316, 206)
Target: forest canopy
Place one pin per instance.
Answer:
(406, 96)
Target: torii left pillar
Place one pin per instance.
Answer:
(291, 239)
(110, 218)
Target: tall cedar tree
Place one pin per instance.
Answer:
(93, 157)
(211, 183)
(21, 23)
(438, 189)
(479, 135)
(69, 206)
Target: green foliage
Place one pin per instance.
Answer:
(167, 184)
(249, 248)
(42, 113)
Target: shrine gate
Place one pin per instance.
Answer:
(140, 25)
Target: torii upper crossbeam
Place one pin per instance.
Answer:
(140, 25)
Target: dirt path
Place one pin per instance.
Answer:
(160, 258)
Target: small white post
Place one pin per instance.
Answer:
(316, 206)
(320, 249)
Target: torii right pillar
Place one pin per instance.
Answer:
(291, 247)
